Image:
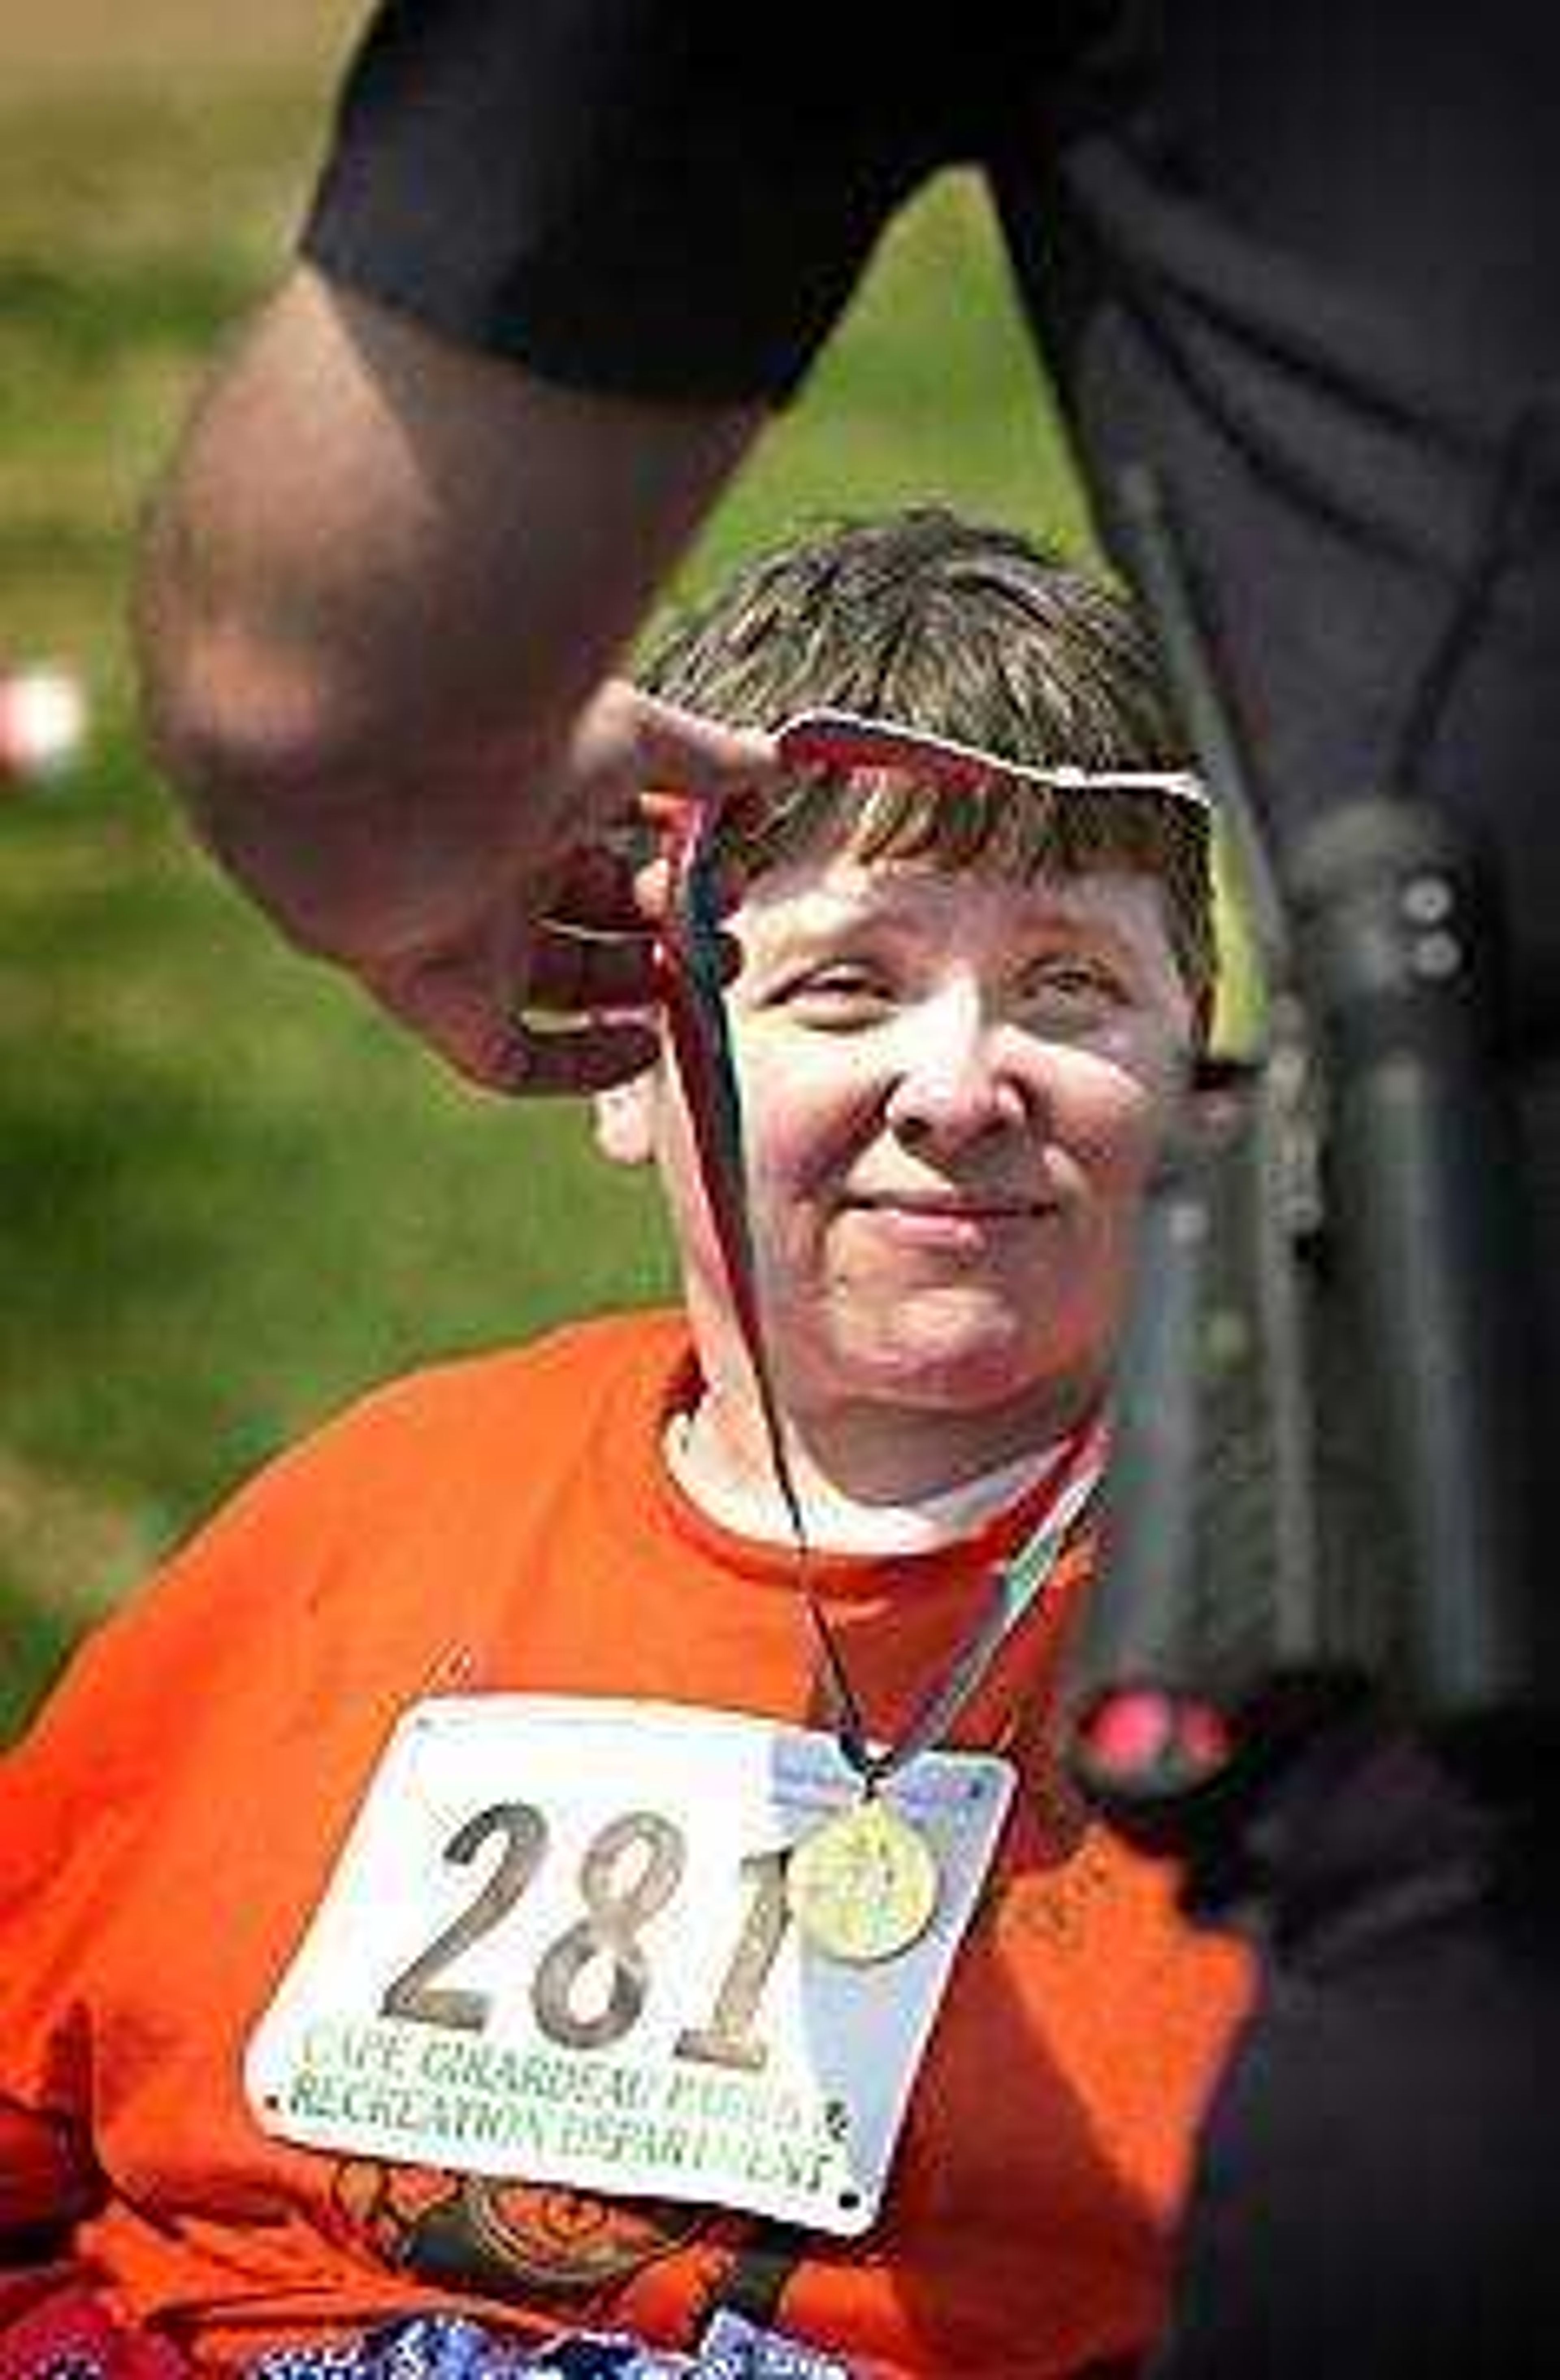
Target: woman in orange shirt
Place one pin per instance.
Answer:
(570, 1872)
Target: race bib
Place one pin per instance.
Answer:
(559, 1945)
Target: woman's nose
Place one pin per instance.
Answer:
(957, 1083)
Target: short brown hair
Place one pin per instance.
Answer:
(967, 632)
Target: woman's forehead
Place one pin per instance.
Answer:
(820, 897)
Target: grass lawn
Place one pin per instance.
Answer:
(232, 1197)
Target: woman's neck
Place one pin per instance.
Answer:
(870, 1482)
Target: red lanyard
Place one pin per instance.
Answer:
(692, 981)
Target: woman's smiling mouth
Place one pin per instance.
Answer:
(950, 1220)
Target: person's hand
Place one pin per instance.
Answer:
(380, 595)
(533, 985)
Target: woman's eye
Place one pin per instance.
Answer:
(838, 996)
(1075, 984)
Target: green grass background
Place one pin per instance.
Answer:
(232, 1196)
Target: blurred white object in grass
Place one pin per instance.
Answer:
(43, 722)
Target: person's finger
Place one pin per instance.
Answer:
(569, 974)
(658, 745)
(738, 810)
(457, 1015)
(595, 887)
(655, 884)
(603, 891)
(504, 1053)
(573, 973)
(585, 1057)
(471, 1012)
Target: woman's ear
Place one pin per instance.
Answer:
(625, 1120)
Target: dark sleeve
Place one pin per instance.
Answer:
(630, 196)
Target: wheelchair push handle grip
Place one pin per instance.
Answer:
(1400, 952)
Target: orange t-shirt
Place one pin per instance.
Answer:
(509, 1523)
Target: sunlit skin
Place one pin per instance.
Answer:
(954, 1087)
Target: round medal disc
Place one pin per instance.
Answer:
(863, 1886)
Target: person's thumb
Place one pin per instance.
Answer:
(630, 743)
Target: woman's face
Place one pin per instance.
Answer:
(954, 1087)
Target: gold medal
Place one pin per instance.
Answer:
(862, 1887)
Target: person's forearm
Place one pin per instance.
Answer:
(379, 586)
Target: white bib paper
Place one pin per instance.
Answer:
(557, 1946)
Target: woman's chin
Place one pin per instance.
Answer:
(969, 1371)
